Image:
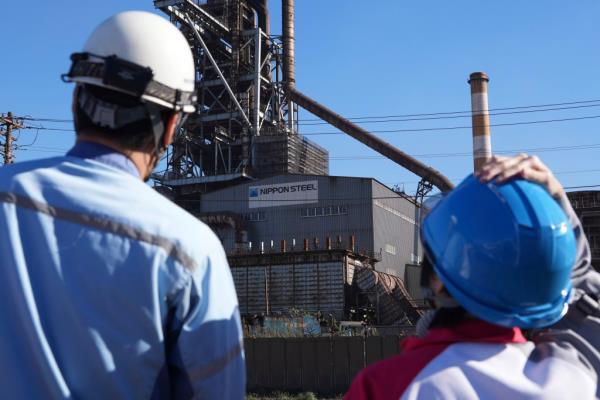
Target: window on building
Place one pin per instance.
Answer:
(255, 216)
(390, 249)
(323, 211)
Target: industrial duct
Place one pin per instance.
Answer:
(372, 141)
(262, 10)
(343, 124)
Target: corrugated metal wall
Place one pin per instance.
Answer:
(395, 227)
(412, 281)
(380, 219)
(286, 222)
(309, 287)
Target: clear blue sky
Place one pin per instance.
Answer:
(371, 58)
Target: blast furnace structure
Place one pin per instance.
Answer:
(295, 236)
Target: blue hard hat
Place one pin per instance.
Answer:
(503, 251)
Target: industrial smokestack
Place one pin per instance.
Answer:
(289, 51)
(482, 145)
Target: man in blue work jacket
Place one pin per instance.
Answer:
(107, 289)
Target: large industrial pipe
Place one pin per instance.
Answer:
(289, 51)
(480, 117)
(375, 143)
(319, 110)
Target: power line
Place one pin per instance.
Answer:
(581, 187)
(380, 121)
(442, 128)
(43, 128)
(447, 128)
(470, 154)
(47, 119)
(581, 104)
(416, 117)
(46, 149)
(457, 180)
(462, 112)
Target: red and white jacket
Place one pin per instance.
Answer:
(477, 360)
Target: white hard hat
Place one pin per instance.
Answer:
(140, 54)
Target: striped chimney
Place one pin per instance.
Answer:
(482, 145)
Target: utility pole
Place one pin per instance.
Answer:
(9, 123)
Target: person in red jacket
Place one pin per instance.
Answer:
(500, 251)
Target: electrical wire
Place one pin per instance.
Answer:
(28, 118)
(469, 115)
(462, 112)
(470, 154)
(457, 180)
(415, 117)
(377, 157)
(448, 128)
(570, 103)
(442, 128)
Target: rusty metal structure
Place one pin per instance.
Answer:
(246, 130)
(246, 126)
(333, 280)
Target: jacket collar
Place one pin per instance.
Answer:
(105, 155)
(474, 331)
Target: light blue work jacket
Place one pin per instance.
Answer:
(108, 290)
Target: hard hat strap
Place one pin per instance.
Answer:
(158, 127)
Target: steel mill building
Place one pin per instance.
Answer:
(296, 237)
(304, 212)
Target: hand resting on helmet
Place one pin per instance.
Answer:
(523, 166)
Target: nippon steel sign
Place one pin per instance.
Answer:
(283, 194)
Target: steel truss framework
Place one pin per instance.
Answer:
(245, 127)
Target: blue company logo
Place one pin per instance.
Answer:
(253, 192)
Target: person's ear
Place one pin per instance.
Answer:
(170, 131)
